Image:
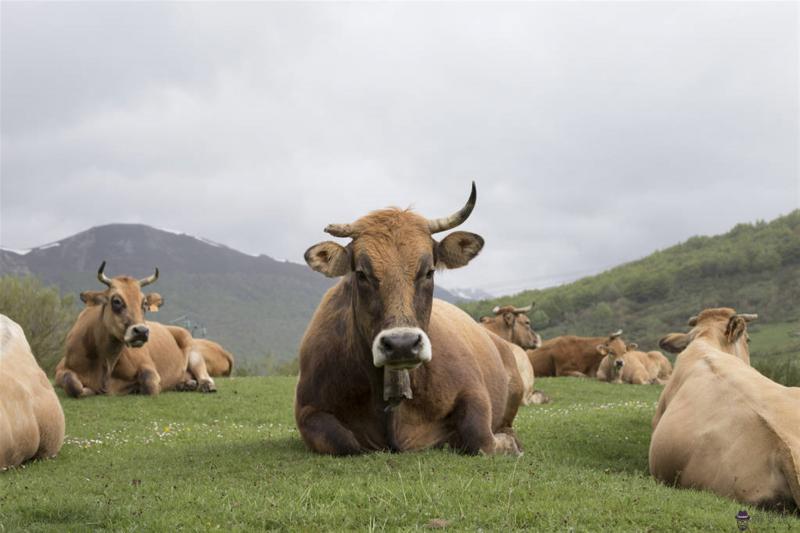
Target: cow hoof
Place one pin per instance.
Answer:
(189, 385)
(207, 386)
(506, 444)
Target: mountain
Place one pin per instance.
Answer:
(470, 294)
(255, 306)
(754, 268)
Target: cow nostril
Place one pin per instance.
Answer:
(418, 342)
(386, 343)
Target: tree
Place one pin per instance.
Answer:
(44, 315)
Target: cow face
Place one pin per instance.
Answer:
(513, 324)
(722, 326)
(615, 348)
(389, 268)
(123, 306)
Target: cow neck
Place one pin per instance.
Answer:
(361, 350)
(108, 347)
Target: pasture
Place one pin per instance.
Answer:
(234, 461)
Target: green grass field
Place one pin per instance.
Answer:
(234, 461)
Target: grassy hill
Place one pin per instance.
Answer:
(754, 268)
(234, 461)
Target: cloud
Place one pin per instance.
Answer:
(596, 132)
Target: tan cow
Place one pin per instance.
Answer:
(573, 356)
(31, 419)
(384, 365)
(219, 361)
(722, 426)
(513, 325)
(658, 366)
(632, 367)
(111, 349)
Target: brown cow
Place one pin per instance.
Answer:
(513, 325)
(111, 349)
(722, 426)
(383, 365)
(31, 419)
(574, 356)
(631, 367)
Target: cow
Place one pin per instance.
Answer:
(659, 367)
(31, 418)
(384, 365)
(219, 361)
(112, 349)
(573, 356)
(513, 325)
(633, 367)
(722, 426)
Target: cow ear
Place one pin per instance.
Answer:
(153, 302)
(631, 346)
(458, 249)
(508, 318)
(602, 349)
(329, 258)
(675, 342)
(91, 298)
(486, 319)
(735, 328)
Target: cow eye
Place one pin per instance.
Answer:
(429, 274)
(117, 304)
(361, 276)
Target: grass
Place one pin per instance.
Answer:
(775, 351)
(234, 461)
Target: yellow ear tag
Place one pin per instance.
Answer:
(153, 308)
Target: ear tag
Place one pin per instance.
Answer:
(153, 308)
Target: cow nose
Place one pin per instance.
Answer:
(401, 345)
(618, 363)
(141, 332)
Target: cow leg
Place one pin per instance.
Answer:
(574, 374)
(323, 433)
(474, 429)
(69, 381)
(197, 366)
(188, 383)
(149, 381)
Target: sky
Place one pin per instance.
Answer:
(596, 132)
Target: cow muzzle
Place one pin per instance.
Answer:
(401, 348)
(619, 363)
(137, 335)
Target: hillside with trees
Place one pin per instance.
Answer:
(754, 268)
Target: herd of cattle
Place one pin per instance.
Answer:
(385, 366)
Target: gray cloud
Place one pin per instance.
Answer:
(596, 132)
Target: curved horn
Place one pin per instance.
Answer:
(747, 316)
(339, 230)
(496, 309)
(446, 223)
(692, 322)
(102, 278)
(616, 334)
(147, 281)
(523, 309)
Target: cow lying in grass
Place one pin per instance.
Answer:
(112, 350)
(722, 426)
(31, 419)
(384, 365)
(573, 356)
(513, 325)
(633, 367)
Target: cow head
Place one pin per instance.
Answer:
(123, 306)
(722, 326)
(389, 267)
(614, 347)
(512, 324)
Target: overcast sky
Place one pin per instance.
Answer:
(597, 133)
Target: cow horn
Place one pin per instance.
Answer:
(747, 316)
(523, 309)
(147, 281)
(339, 230)
(496, 309)
(616, 334)
(102, 278)
(446, 223)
